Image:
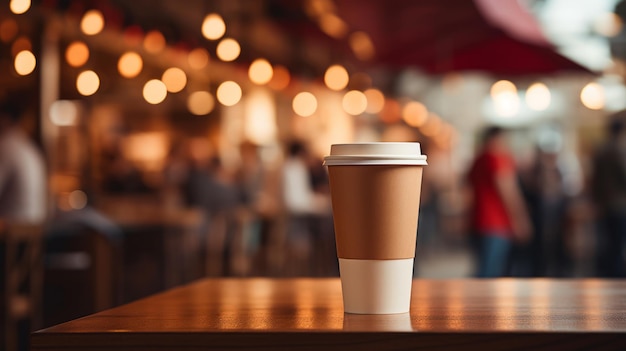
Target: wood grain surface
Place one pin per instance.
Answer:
(307, 314)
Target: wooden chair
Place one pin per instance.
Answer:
(23, 279)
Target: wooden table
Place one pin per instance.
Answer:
(307, 314)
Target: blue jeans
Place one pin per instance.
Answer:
(492, 253)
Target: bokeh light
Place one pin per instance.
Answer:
(213, 26)
(332, 25)
(87, 83)
(229, 93)
(260, 71)
(19, 7)
(502, 86)
(415, 114)
(336, 77)
(25, 63)
(432, 126)
(154, 42)
(198, 58)
(304, 104)
(354, 102)
(130, 64)
(200, 103)
(228, 50)
(77, 54)
(154, 91)
(538, 97)
(92, 22)
(362, 46)
(64, 113)
(280, 78)
(375, 100)
(593, 96)
(174, 79)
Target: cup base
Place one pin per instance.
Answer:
(376, 286)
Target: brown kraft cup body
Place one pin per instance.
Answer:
(375, 209)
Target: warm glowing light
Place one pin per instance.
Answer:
(391, 112)
(200, 103)
(174, 79)
(213, 26)
(154, 42)
(333, 25)
(336, 77)
(77, 199)
(304, 104)
(154, 91)
(228, 50)
(432, 126)
(148, 149)
(506, 103)
(25, 63)
(77, 54)
(375, 100)
(229, 93)
(260, 71)
(130, 64)
(280, 79)
(538, 97)
(19, 7)
(87, 83)
(362, 46)
(592, 96)
(21, 44)
(260, 117)
(415, 114)
(8, 30)
(92, 22)
(198, 58)
(64, 113)
(354, 102)
(502, 86)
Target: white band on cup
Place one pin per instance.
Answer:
(376, 286)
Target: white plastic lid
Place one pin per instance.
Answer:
(383, 153)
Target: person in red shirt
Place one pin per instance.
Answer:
(498, 216)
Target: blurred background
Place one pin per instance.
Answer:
(145, 144)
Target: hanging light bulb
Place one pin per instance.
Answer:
(154, 91)
(175, 79)
(260, 71)
(354, 102)
(25, 63)
(130, 64)
(92, 22)
(228, 50)
(336, 77)
(304, 104)
(87, 83)
(229, 93)
(19, 7)
(77, 54)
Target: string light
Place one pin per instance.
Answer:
(538, 97)
(592, 96)
(130, 65)
(92, 22)
(260, 72)
(154, 91)
(77, 54)
(19, 7)
(304, 104)
(200, 103)
(25, 63)
(415, 114)
(174, 79)
(229, 93)
(87, 83)
(154, 42)
(213, 26)
(354, 102)
(228, 50)
(336, 77)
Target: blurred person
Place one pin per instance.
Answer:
(499, 217)
(22, 168)
(301, 204)
(543, 188)
(609, 193)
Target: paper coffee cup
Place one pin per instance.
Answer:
(375, 192)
